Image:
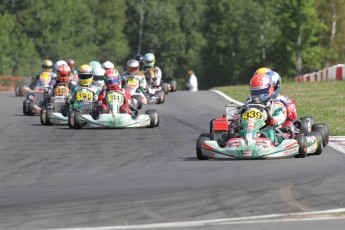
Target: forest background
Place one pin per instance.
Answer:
(223, 41)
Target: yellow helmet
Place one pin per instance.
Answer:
(85, 76)
(47, 65)
(262, 70)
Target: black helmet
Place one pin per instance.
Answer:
(140, 59)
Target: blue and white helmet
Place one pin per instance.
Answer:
(149, 60)
(276, 81)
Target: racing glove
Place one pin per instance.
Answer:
(271, 121)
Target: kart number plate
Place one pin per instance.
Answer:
(252, 114)
(131, 82)
(81, 96)
(61, 91)
(115, 96)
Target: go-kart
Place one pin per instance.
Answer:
(243, 134)
(114, 119)
(37, 94)
(57, 105)
(143, 96)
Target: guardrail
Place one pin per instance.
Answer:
(7, 83)
(336, 72)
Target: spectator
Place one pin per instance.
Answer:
(192, 83)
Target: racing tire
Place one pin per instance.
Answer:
(18, 91)
(165, 87)
(77, 122)
(25, 105)
(70, 117)
(154, 119)
(319, 141)
(173, 85)
(139, 101)
(306, 123)
(31, 108)
(202, 138)
(323, 130)
(302, 142)
(161, 96)
(49, 112)
(43, 122)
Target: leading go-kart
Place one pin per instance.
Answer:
(243, 134)
(115, 119)
(34, 97)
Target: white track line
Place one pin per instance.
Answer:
(301, 216)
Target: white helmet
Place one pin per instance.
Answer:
(98, 77)
(108, 65)
(58, 63)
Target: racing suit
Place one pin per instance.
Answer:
(125, 108)
(290, 110)
(140, 75)
(96, 91)
(153, 76)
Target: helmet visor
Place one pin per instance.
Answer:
(84, 76)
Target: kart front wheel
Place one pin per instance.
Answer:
(318, 137)
(302, 142)
(71, 119)
(202, 138)
(161, 96)
(49, 112)
(139, 101)
(154, 118)
(43, 116)
(77, 121)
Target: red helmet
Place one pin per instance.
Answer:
(70, 63)
(261, 88)
(113, 83)
(63, 73)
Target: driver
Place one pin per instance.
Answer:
(153, 73)
(261, 92)
(113, 84)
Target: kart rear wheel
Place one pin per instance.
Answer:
(202, 138)
(165, 87)
(18, 91)
(302, 142)
(71, 119)
(173, 86)
(307, 123)
(154, 119)
(77, 121)
(161, 96)
(211, 125)
(49, 112)
(42, 118)
(323, 130)
(139, 101)
(31, 108)
(25, 105)
(319, 141)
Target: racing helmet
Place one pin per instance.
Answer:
(133, 66)
(94, 64)
(63, 73)
(113, 83)
(85, 75)
(276, 81)
(71, 63)
(140, 59)
(47, 65)
(262, 70)
(149, 60)
(58, 63)
(98, 77)
(108, 65)
(261, 88)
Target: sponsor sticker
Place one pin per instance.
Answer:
(247, 153)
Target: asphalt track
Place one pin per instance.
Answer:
(58, 178)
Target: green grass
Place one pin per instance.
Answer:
(323, 100)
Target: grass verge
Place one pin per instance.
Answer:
(323, 100)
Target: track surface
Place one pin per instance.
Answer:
(55, 177)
